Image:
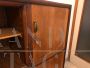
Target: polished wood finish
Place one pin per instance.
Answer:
(52, 23)
(5, 61)
(27, 37)
(49, 20)
(54, 61)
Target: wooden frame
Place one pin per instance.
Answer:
(56, 5)
(72, 30)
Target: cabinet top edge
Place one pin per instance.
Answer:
(50, 3)
(42, 2)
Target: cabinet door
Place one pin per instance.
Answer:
(49, 29)
(51, 23)
(55, 61)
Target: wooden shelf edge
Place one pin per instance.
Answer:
(7, 33)
(6, 37)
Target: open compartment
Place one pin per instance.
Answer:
(11, 21)
(11, 29)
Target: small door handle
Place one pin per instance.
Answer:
(35, 26)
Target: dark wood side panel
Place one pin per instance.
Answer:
(46, 17)
(28, 30)
(9, 3)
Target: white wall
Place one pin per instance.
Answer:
(64, 1)
(71, 2)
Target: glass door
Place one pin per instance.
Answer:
(80, 55)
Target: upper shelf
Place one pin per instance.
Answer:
(6, 33)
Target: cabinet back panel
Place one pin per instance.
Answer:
(3, 19)
(14, 17)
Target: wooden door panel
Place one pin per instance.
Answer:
(55, 61)
(38, 49)
(51, 32)
(58, 25)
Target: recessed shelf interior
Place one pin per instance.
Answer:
(11, 25)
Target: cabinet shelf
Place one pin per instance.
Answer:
(6, 33)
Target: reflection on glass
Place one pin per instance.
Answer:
(83, 45)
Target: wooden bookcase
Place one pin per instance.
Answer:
(49, 26)
(12, 20)
(37, 25)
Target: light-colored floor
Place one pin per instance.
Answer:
(68, 64)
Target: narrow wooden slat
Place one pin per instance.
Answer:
(8, 33)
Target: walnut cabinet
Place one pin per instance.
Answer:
(41, 28)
